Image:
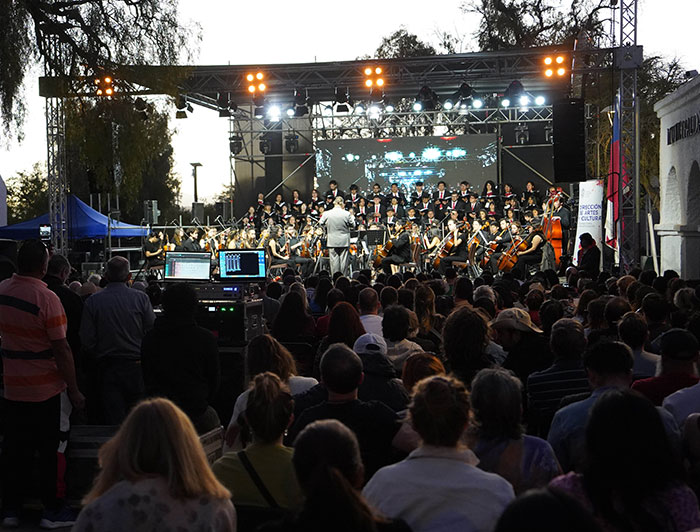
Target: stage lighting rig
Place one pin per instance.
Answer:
(104, 85)
(235, 144)
(265, 146)
(301, 103)
(181, 105)
(555, 66)
(291, 143)
(426, 100)
(341, 99)
(522, 134)
(257, 88)
(515, 95)
(373, 77)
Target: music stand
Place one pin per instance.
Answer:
(376, 237)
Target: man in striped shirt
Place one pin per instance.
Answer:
(546, 388)
(37, 368)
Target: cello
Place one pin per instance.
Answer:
(552, 230)
(445, 247)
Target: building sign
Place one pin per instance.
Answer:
(683, 129)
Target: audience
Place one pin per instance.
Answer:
(633, 331)
(344, 327)
(379, 382)
(333, 297)
(395, 329)
(439, 487)
(368, 305)
(420, 366)
(180, 360)
(497, 433)
(154, 476)
(268, 414)
(430, 323)
(631, 478)
(293, 322)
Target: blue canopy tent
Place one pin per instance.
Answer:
(83, 222)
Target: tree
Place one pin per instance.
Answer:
(27, 195)
(107, 135)
(93, 35)
(403, 44)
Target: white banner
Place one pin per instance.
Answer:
(590, 213)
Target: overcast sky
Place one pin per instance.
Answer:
(318, 30)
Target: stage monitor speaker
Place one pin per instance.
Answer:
(569, 130)
(151, 212)
(198, 211)
(223, 209)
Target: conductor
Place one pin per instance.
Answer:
(338, 222)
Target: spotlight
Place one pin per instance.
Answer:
(180, 114)
(290, 111)
(560, 60)
(524, 100)
(505, 102)
(427, 98)
(522, 134)
(368, 83)
(291, 143)
(389, 108)
(250, 77)
(447, 105)
(104, 85)
(539, 100)
(549, 72)
(259, 112)
(561, 71)
(477, 103)
(547, 60)
(341, 98)
(368, 71)
(235, 144)
(359, 109)
(255, 82)
(299, 97)
(259, 75)
(181, 104)
(380, 82)
(265, 146)
(372, 77)
(274, 113)
(374, 111)
(378, 70)
(224, 103)
(417, 107)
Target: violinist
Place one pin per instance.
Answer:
(478, 239)
(277, 254)
(294, 244)
(192, 242)
(532, 256)
(458, 252)
(508, 232)
(178, 238)
(400, 251)
(249, 240)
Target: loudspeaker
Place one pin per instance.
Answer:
(198, 211)
(223, 209)
(151, 212)
(569, 130)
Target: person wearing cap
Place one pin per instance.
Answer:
(380, 382)
(679, 354)
(528, 349)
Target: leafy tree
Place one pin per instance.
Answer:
(107, 135)
(93, 34)
(27, 195)
(401, 43)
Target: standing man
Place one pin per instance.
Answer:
(114, 323)
(339, 222)
(37, 368)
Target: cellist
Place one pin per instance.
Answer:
(509, 234)
(533, 254)
(458, 252)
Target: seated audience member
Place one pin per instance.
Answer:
(318, 303)
(463, 292)
(180, 360)
(677, 368)
(466, 339)
(157, 464)
(497, 438)
(430, 323)
(632, 478)
(546, 510)
(377, 427)
(683, 403)
(581, 312)
(368, 305)
(293, 323)
(379, 382)
(550, 312)
(271, 305)
(333, 297)
(615, 308)
(418, 367)
(656, 310)
(268, 414)
(609, 366)
(633, 331)
(328, 464)
(388, 296)
(595, 312)
(344, 327)
(395, 328)
(265, 354)
(439, 487)
(534, 301)
(407, 298)
(566, 376)
(528, 349)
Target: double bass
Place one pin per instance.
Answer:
(552, 231)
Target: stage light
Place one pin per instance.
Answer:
(259, 75)
(290, 111)
(561, 71)
(368, 71)
(341, 96)
(291, 143)
(274, 113)
(359, 109)
(380, 82)
(250, 77)
(427, 98)
(505, 102)
(524, 100)
(104, 85)
(539, 100)
(265, 146)
(374, 111)
(368, 83)
(259, 112)
(108, 79)
(417, 107)
(378, 70)
(180, 114)
(560, 60)
(389, 108)
(477, 103)
(299, 97)
(547, 60)
(342, 108)
(235, 144)
(108, 91)
(431, 154)
(522, 134)
(251, 88)
(447, 105)
(262, 87)
(549, 72)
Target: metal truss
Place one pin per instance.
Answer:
(56, 155)
(628, 58)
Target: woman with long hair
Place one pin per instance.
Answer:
(632, 479)
(293, 322)
(497, 435)
(266, 355)
(154, 476)
(320, 300)
(268, 413)
(430, 323)
(344, 327)
(330, 472)
(466, 338)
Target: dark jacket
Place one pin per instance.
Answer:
(180, 361)
(380, 382)
(73, 307)
(589, 261)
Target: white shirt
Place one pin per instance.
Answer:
(440, 489)
(372, 324)
(682, 403)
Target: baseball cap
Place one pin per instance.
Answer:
(679, 344)
(515, 318)
(370, 343)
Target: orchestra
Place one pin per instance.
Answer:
(496, 230)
